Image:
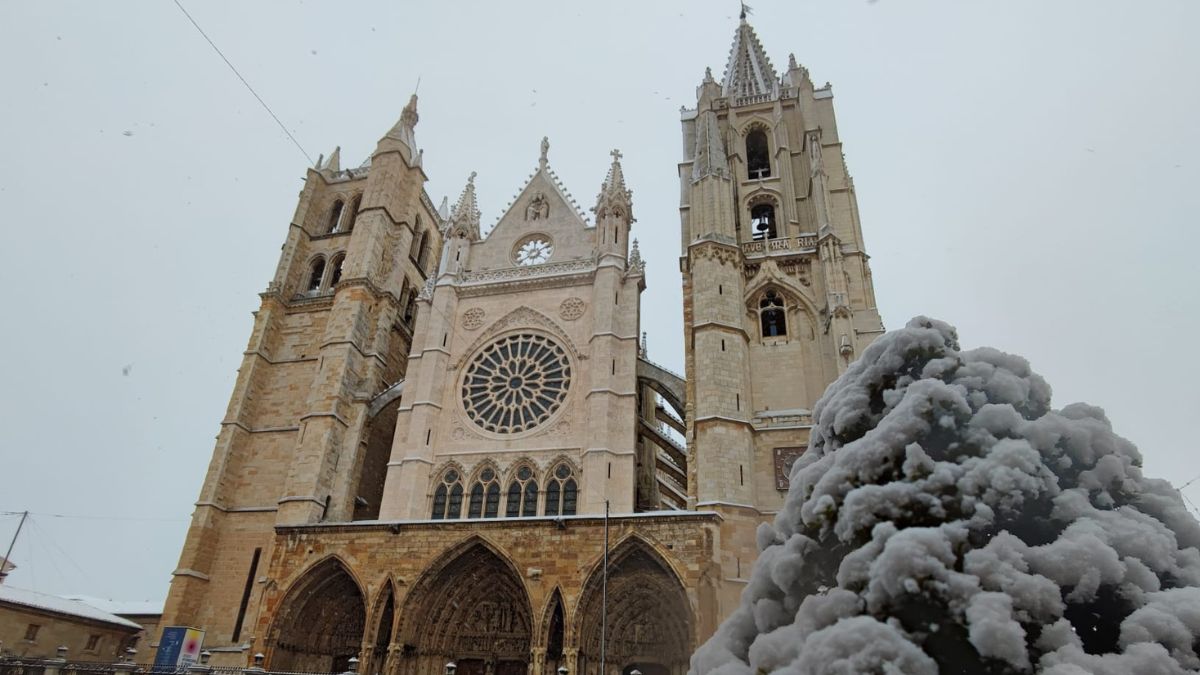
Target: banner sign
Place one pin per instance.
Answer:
(179, 647)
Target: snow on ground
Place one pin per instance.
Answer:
(946, 520)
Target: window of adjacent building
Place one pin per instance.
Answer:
(561, 492)
(485, 496)
(771, 315)
(93, 643)
(522, 494)
(762, 222)
(447, 498)
(31, 631)
(316, 275)
(758, 154)
(335, 216)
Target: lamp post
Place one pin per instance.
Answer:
(451, 667)
(562, 670)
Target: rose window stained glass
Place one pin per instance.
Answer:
(516, 383)
(534, 251)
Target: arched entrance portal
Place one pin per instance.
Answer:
(320, 623)
(473, 610)
(649, 617)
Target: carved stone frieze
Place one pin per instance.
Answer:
(713, 251)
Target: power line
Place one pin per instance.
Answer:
(76, 517)
(239, 76)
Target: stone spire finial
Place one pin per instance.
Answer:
(404, 132)
(749, 71)
(644, 347)
(542, 161)
(409, 116)
(613, 192)
(465, 214)
(636, 264)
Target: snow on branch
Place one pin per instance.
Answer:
(945, 519)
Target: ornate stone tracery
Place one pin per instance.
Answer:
(470, 606)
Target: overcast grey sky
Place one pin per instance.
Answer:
(1026, 170)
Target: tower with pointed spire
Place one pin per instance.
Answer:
(304, 439)
(777, 289)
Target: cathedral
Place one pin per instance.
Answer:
(440, 439)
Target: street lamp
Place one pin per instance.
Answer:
(562, 670)
(451, 667)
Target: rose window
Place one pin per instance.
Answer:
(533, 250)
(516, 383)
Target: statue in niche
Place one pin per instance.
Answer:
(539, 207)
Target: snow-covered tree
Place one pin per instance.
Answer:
(945, 520)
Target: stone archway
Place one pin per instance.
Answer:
(319, 625)
(650, 623)
(470, 607)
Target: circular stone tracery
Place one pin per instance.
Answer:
(516, 383)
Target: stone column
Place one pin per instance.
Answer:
(537, 661)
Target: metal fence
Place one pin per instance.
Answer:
(24, 666)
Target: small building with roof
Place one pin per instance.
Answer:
(35, 625)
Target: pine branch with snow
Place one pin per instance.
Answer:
(946, 520)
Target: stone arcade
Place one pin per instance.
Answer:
(428, 422)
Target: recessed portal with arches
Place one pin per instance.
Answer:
(471, 608)
(650, 622)
(319, 626)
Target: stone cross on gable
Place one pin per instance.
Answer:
(616, 155)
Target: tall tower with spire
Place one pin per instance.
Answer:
(777, 288)
(305, 438)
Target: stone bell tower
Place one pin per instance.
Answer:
(303, 440)
(776, 284)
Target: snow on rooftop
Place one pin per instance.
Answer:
(121, 607)
(54, 603)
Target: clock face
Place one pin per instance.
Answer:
(534, 251)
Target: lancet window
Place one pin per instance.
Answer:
(335, 216)
(354, 206)
(485, 496)
(762, 222)
(522, 494)
(336, 275)
(758, 154)
(448, 497)
(316, 275)
(562, 492)
(771, 315)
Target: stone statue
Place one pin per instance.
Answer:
(545, 150)
(538, 207)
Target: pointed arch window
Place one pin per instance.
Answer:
(316, 275)
(562, 491)
(418, 242)
(771, 315)
(335, 216)
(353, 217)
(762, 222)
(485, 496)
(447, 498)
(522, 494)
(336, 275)
(758, 154)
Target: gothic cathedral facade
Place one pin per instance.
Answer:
(438, 437)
